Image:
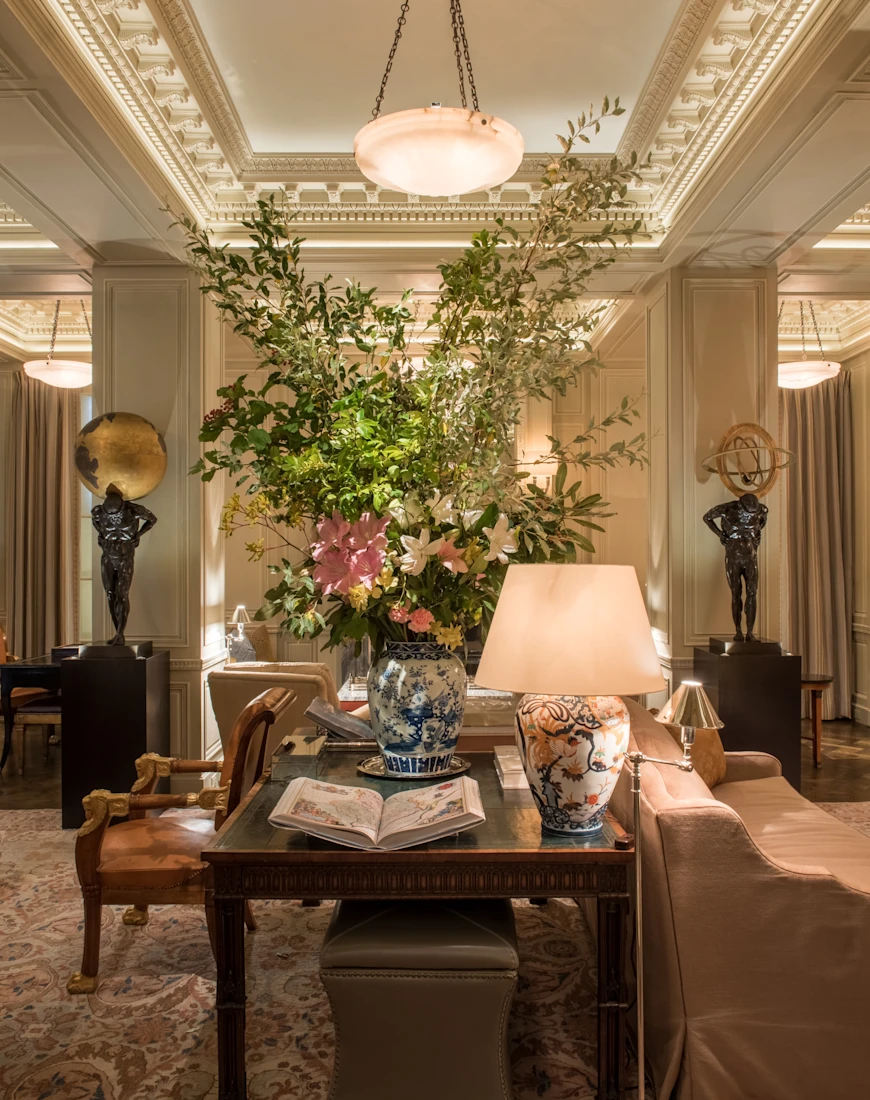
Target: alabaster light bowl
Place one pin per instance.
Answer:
(804, 373)
(122, 450)
(438, 151)
(66, 374)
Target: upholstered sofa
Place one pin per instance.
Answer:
(757, 933)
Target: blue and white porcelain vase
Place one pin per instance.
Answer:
(416, 696)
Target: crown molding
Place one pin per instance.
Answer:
(670, 65)
(26, 326)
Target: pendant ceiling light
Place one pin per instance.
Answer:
(66, 374)
(804, 372)
(438, 150)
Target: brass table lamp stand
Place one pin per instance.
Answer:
(690, 709)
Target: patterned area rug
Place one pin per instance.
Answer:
(856, 814)
(149, 1030)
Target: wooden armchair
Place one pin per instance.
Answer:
(155, 860)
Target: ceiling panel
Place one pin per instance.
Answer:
(307, 78)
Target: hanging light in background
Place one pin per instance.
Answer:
(66, 374)
(802, 373)
(438, 150)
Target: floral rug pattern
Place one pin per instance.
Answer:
(149, 1030)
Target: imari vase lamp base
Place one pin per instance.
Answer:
(572, 748)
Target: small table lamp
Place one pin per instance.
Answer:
(238, 646)
(573, 638)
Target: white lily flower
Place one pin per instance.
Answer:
(501, 541)
(471, 517)
(418, 552)
(406, 512)
(442, 509)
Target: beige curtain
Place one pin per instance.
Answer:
(42, 518)
(817, 427)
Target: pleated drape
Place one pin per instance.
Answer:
(42, 520)
(817, 427)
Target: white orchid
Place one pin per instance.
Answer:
(418, 552)
(406, 512)
(441, 508)
(501, 541)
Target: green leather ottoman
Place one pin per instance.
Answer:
(420, 994)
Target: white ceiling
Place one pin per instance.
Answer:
(303, 77)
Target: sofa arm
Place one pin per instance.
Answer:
(740, 766)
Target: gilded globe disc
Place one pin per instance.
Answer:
(123, 450)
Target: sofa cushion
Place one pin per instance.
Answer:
(788, 828)
(708, 755)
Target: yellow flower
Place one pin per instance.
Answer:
(451, 636)
(472, 551)
(385, 580)
(359, 597)
(228, 513)
(256, 549)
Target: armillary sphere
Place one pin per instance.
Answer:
(748, 460)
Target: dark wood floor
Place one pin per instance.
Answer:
(843, 777)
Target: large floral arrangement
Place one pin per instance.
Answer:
(377, 453)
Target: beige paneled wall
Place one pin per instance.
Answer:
(7, 387)
(712, 363)
(860, 369)
(158, 351)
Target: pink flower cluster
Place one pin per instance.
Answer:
(419, 621)
(348, 554)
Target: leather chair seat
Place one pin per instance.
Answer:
(155, 851)
(21, 696)
(44, 704)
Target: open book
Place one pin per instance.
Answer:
(361, 818)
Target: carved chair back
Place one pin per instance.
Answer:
(245, 755)
(4, 653)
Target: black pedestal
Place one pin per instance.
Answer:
(758, 697)
(113, 712)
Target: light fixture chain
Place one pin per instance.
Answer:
(803, 329)
(53, 333)
(87, 322)
(461, 24)
(457, 50)
(402, 14)
(816, 327)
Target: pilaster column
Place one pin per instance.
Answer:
(711, 363)
(158, 352)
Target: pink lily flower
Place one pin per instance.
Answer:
(332, 533)
(451, 558)
(336, 573)
(369, 531)
(368, 563)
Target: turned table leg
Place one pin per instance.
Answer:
(816, 713)
(230, 1001)
(612, 996)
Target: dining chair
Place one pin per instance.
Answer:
(155, 860)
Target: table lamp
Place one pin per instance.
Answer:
(573, 638)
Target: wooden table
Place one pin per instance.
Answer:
(506, 857)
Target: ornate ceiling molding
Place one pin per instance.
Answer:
(26, 325)
(842, 326)
(661, 87)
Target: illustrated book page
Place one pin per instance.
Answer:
(360, 818)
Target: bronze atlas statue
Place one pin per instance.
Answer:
(120, 457)
(748, 462)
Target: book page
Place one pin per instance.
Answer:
(336, 807)
(422, 807)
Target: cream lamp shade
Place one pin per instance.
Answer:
(570, 630)
(240, 615)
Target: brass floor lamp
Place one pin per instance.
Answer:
(690, 709)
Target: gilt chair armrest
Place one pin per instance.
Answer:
(101, 806)
(152, 766)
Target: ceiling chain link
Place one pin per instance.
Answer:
(460, 49)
